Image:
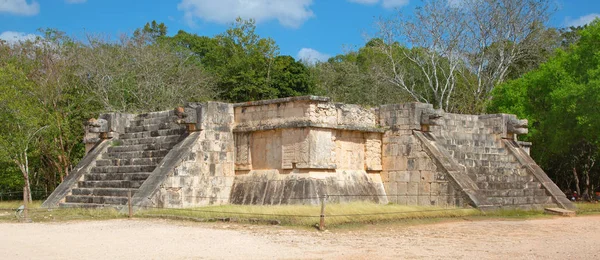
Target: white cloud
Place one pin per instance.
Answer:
(19, 7)
(394, 3)
(14, 37)
(581, 21)
(311, 56)
(289, 13)
(388, 4)
(75, 1)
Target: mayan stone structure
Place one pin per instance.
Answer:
(296, 150)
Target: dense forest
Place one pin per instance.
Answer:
(485, 57)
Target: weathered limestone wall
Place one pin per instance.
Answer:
(307, 111)
(476, 143)
(200, 170)
(304, 148)
(268, 187)
(409, 174)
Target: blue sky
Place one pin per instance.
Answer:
(302, 28)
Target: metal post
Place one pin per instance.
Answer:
(322, 222)
(129, 204)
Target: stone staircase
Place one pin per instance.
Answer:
(500, 177)
(128, 162)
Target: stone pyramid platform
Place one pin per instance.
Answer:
(297, 150)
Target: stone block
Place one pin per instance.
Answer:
(413, 188)
(424, 188)
(415, 176)
(402, 200)
(427, 176)
(392, 188)
(402, 188)
(400, 163)
(402, 176)
(411, 200)
(424, 200)
(434, 189)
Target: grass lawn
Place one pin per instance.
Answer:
(587, 208)
(308, 215)
(38, 214)
(336, 215)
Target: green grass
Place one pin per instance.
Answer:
(587, 208)
(354, 214)
(308, 215)
(38, 214)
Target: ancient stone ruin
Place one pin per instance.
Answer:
(296, 150)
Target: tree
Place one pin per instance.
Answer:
(20, 119)
(49, 64)
(291, 78)
(245, 65)
(477, 41)
(151, 32)
(561, 99)
(134, 76)
(356, 77)
(435, 35)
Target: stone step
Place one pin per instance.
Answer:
(152, 140)
(123, 184)
(152, 120)
(501, 178)
(533, 206)
(455, 144)
(123, 169)
(450, 144)
(165, 113)
(137, 176)
(489, 156)
(152, 127)
(560, 212)
(135, 154)
(141, 147)
(529, 192)
(96, 199)
(146, 134)
(508, 185)
(103, 192)
(133, 161)
(520, 200)
(84, 205)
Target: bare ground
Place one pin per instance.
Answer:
(553, 238)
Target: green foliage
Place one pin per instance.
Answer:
(561, 99)
(152, 30)
(358, 77)
(51, 85)
(246, 66)
(135, 76)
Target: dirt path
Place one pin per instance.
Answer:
(556, 238)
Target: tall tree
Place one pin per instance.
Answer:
(561, 99)
(471, 40)
(132, 75)
(359, 77)
(48, 63)
(245, 65)
(21, 120)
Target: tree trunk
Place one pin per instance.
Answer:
(28, 187)
(576, 181)
(25, 171)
